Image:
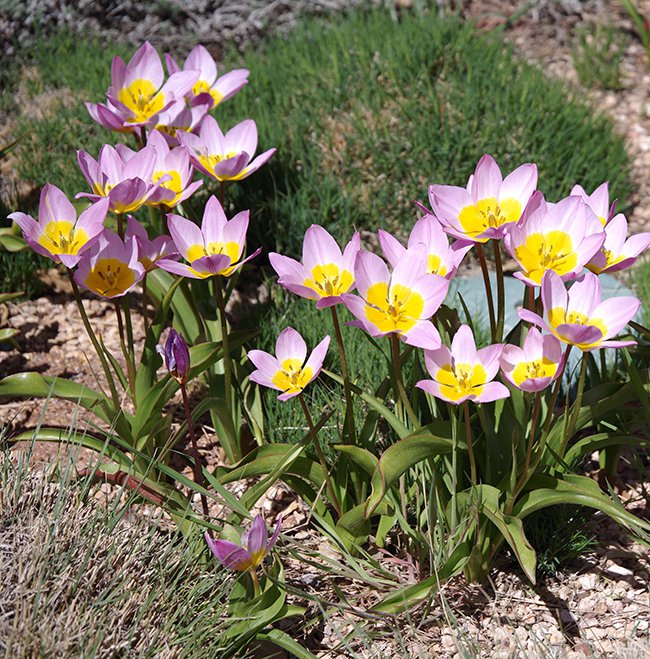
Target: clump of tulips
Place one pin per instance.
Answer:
(484, 427)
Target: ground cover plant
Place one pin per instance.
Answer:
(412, 459)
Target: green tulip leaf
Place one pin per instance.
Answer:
(400, 457)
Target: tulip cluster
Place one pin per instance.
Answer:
(552, 243)
(158, 174)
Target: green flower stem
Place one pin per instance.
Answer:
(120, 226)
(331, 492)
(468, 440)
(402, 401)
(256, 582)
(576, 406)
(349, 434)
(501, 298)
(130, 344)
(93, 340)
(454, 466)
(125, 350)
(145, 320)
(488, 289)
(198, 473)
(556, 391)
(222, 194)
(523, 476)
(225, 344)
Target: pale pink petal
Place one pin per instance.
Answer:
(423, 335)
(351, 250)
(553, 292)
(184, 233)
(242, 137)
(266, 364)
(585, 294)
(317, 357)
(391, 247)
(579, 334)
(369, 269)
(319, 248)
(54, 206)
(290, 345)
(200, 59)
(489, 358)
(214, 221)
(492, 391)
(519, 184)
(615, 313)
(486, 180)
(262, 159)
(232, 556)
(146, 65)
(256, 537)
(230, 83)
(463, 347)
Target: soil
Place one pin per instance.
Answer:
(598, 605)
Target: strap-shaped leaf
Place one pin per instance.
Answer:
(67, 436)
(26, 385)
(263, 460)
(510, 527)
(360, 456)
(600, 441)
(400, 457)
(544, 490)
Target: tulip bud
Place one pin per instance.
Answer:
(177, 356)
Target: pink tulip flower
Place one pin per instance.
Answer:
(59, 234)
(149, 251)
(110, 268)
(178, 117)
(288, 371)
(214, 249)
(123, 176)
(442, 259)
(253, 548)
(137, 94)
(225, 157)
(209, 88)
(488, 206)
(580, 317)
(400, 303)
(172, 167)
(536, 364)
(561, 237)
(464, 373)
(616, 252)
(325, 273)
(598, 201)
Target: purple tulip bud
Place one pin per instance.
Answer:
(177, 356)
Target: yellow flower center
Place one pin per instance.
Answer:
(397, 312)
(546, 251)
(210, 161)
(292, 377)
(110, 277)
(141, 98)
(461, 380)
(435, 265)
(328, 280)
(558, 316)
(489, 214)
(231, 249)
(202, 87)
(61, 237)
(538, 368)
(173, 184)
